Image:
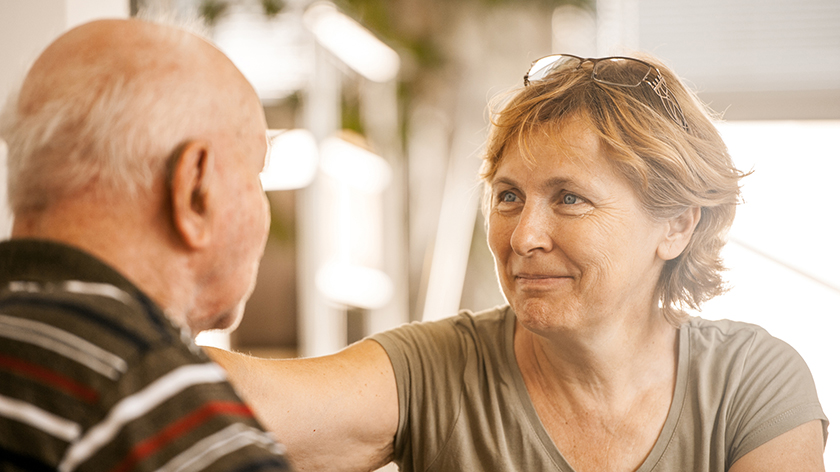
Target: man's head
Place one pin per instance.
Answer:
(131, 140)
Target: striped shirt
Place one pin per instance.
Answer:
(93, 376)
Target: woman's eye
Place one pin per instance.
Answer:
(508, 197)
(570, 199)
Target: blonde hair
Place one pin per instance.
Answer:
(670, 168)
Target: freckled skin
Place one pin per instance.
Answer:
(574, 249)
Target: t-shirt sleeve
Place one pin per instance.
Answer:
(429, 360)
(776, 393)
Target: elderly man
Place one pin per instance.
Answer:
(134, 158)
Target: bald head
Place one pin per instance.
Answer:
(107, 102)
(142, 144)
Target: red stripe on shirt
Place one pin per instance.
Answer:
(49, 377)
(180, 428)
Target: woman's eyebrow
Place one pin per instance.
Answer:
(555, 182)
(502, 181)
(549, 185)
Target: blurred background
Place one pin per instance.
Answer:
(379, 110)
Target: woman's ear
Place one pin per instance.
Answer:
(189, 184)
(679, 231)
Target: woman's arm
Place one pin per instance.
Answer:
(337, 412)
(800, 449)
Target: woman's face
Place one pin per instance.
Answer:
(573, 246)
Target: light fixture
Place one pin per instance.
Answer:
(351, 42)
(354, 285)
(270, 52)
(354, 166)
(292, 161)
(353, 181)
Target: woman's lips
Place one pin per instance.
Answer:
(540, 281)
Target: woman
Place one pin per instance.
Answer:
(609, 192)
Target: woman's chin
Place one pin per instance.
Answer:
(543, 317)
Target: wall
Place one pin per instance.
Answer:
(26, 28)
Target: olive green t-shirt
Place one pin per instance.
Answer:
(464, 405)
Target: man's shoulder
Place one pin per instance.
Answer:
(92, 338)
(81, 338)
(99, 374)
(66, 289)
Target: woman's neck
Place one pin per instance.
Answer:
(602, 397)
(606, 365)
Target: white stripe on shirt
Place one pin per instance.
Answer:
(137, 405)
(208, 450)
(47, 422)
(64, 343)
(102, 290)
(73, 286)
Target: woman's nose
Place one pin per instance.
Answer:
(532, 231)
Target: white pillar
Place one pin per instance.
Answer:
(26, 28)
(322, 327)
(381, 114)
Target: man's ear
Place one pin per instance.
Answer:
(679, 231)
(189, 184)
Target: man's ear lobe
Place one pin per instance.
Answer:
(189, 184)
(680, 230)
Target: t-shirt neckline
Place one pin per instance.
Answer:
(671, 421)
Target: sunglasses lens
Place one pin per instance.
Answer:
(620, 71)
(548, 65)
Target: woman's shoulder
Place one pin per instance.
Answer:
(749, 367)
(486, 322)
(730, 336)
(465, 325)
(724, 326)
(753, 383)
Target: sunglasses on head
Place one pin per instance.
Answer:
(617, 70)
